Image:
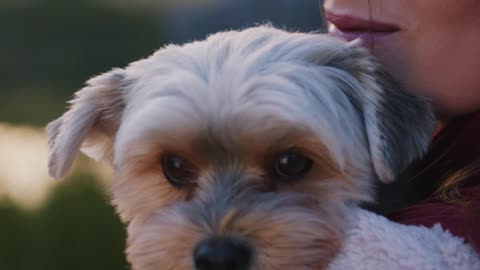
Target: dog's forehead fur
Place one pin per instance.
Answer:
(251, 83)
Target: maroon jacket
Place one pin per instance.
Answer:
(453, 148)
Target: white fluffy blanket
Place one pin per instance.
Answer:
(375, 243)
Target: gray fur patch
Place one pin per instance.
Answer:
(406, 123)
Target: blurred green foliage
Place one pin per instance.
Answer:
(49, 48)
(75, 230)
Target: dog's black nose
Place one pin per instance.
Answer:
(222, 254)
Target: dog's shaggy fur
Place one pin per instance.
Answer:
(228, 105)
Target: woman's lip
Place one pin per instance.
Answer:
(350, 28)
(346, 23)
(366, 36)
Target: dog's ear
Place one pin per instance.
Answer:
(90, 123)
(398, 125)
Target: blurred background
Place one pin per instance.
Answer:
(48, 48)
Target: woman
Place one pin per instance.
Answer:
(432, 47)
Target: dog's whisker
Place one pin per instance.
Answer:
(227, 221)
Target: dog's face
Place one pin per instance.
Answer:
(243, 151)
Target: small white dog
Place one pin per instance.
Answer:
(244, 151)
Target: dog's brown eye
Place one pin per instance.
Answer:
(177, 171)
(291, 165)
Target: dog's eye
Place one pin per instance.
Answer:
(291, 165)
(177, 170)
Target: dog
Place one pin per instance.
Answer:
(244, 151)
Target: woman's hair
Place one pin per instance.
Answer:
(370, 20)
(448, 190)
